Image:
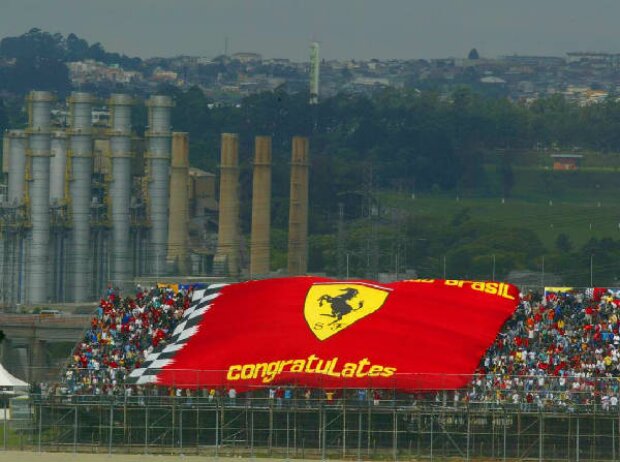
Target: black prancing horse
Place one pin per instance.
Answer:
(339, 304)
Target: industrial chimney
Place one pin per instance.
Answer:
(227, 255)
(179, 213)
(298, 209)
(81, 158)
(261, 208)
(158, 158)
(120, 189)
(37, 263)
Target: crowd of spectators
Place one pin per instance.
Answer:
(122, 333)
(560, 349)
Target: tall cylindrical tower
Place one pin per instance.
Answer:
(37, 263)
(18, 145)
(120, 189)
(227, 255)
(261, 208)
(158, 159)
(315, 65)
(81, 155)
(179, 214)
(298, 208)
(58, 167)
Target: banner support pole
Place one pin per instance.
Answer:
(369, 427)
(110, 429)
(75, 427)
(344, 425)
(39, 436)
(217, 428)
(577, 440)
(4, 425)
(173, 410)
(468, 435)
(359, 435)
(287, 434)
(197, 436)
(505, 434)
(613, 439)
(270, 427)
(432, 419)
(324, 431)
(146, 428)
(252, 431)
(540, 436)
(181, 430)
(394, 434)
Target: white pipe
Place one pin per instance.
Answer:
(58, 166)
(18, 143)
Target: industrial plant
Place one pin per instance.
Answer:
(87, 206)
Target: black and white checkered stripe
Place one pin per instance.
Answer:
(162, 356)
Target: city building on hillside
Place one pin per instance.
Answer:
(246, 57)
(90, 71)
(162, 75)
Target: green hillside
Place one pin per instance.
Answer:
(565, 217)
(579, 220)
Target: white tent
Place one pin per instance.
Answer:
(8, 380)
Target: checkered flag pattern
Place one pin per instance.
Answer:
(162, 356)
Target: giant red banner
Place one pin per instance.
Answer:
(317, 332)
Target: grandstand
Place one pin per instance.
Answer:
(547, 388)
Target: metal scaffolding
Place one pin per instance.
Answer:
(311, 428)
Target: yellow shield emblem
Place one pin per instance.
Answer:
(330, 308)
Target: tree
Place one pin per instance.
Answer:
(4, 121)
(33, 44)
(563, 243)
(4, 117)
(77, 48)
(41, 73)
(473, 54)
(96, 52)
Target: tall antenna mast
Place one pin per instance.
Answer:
(314, 73)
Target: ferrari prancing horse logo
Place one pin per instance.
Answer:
(332, 307)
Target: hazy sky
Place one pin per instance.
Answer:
(346, 28)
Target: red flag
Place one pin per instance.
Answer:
(316, 332)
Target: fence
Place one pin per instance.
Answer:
(345, 428)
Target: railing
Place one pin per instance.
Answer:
(531, 391)
(44, 320)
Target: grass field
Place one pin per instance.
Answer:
(581, 204)
(579, 221)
